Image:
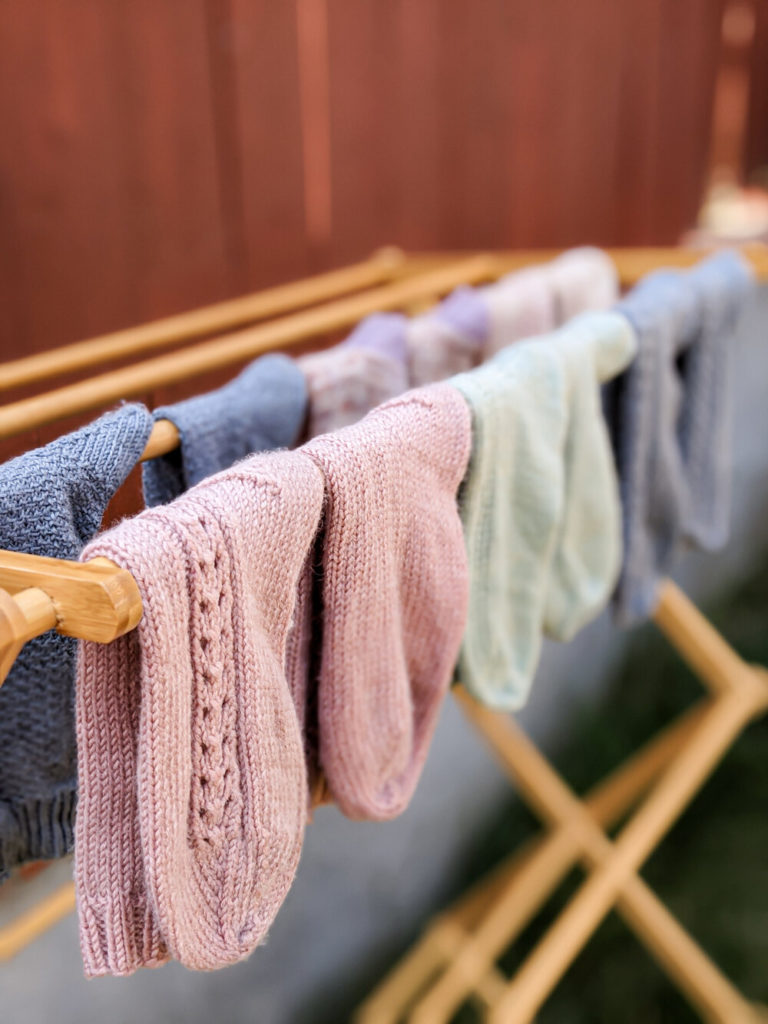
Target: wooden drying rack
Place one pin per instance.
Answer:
(456, 958)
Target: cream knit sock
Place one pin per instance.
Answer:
(192, 777)
(511, 506)
(595, 347)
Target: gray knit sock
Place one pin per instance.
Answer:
(52, 501)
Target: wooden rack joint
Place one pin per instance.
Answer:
(96, 600)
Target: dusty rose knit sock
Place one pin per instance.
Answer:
(192, 778)
(394, 593)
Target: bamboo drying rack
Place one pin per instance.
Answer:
(456, 957)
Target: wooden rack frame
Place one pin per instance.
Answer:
(456, 957)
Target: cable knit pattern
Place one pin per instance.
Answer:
(540, 501)
(394, 593)
(193, 786)
(52, 501)
(260, 410)
(669, 418)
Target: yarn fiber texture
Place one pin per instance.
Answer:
(447, 340)
(193, 785)
(347, 381)
(670, 421)
(392, 572)
(261, 409)
(52, 501)
(540, 501)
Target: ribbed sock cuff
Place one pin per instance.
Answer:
(36, 829)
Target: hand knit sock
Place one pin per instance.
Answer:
(669, 418)
(582, 279)
(595, 347)
(723, 285)
(644, 406)
(448, 339)
(394, 591)
(381, 332)
(260, 410)
(193, 785)
(520, 305)
(52, 501)
(346, 381)
(511, 505)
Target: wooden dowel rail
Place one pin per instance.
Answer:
(576, 831)
(443, 943)
(385, 265)
(722, 722)
(99, 391)
(631, 263)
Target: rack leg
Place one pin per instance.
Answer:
(607, 802)
(536, 978)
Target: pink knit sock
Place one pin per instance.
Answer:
(394, 593)
(192, 779)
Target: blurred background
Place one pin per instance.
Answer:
(158, 155)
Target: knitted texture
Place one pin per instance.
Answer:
(582, 279)
(670, 421)
(447, 340)
(347, 381)
(520, 305)
(261, 409)
(723, 286)
(193, 788)
(538, 299)
(540, 501)
(594, 348)
(51, 503)
(394, 592)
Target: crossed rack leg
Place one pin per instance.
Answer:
(455, 958)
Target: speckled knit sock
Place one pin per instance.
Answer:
(193, 785)
(347, 381)
(394, 592)
(448, 339)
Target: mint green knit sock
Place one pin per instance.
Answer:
(511, 507)
(595, 347)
